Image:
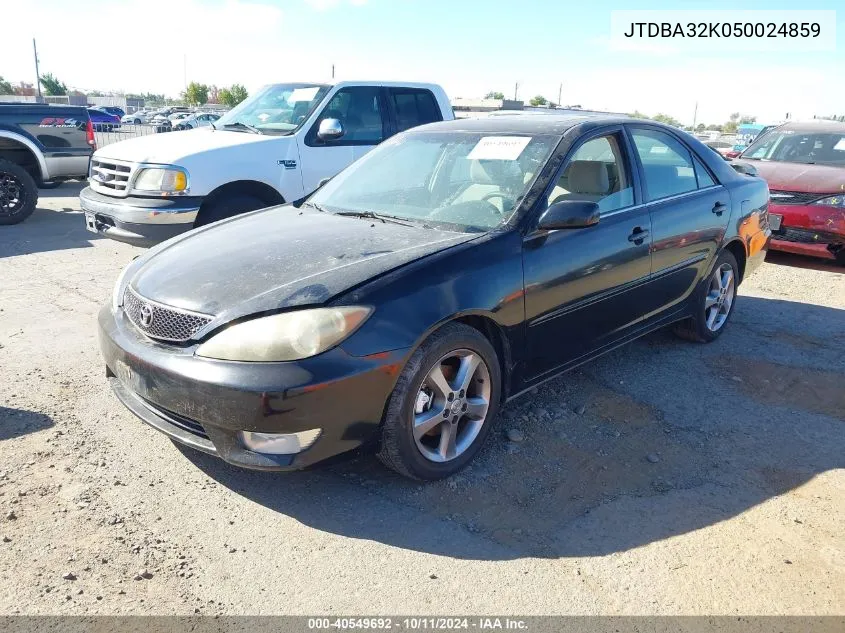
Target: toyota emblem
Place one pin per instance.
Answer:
(146, 315)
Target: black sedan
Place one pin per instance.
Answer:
(451, 269)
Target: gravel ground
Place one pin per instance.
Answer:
(664, 478)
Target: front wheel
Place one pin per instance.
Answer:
(443, 405)
(226, 207)
(18, 193)
(713, 303)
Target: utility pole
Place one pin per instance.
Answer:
(559, 94)
(37, 74)
(332, 71)
(694, 116)
(515, 90)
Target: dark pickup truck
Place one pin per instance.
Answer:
(40, 145)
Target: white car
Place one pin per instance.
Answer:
(136, 118)
(278, 146)
(198, 119)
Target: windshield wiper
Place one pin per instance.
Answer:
(244, 126)
(369, 215)
(314, 205)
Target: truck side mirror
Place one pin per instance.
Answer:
(330, 130)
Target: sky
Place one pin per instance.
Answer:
(470, 47)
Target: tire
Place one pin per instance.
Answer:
(137, 121)
(415, 455)
(702, 327)
(227, 207)
(18, 193)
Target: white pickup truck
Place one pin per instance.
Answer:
(275, 147)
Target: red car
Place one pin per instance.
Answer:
(804, 164)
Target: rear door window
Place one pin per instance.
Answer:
(413, 107)
(667, 164)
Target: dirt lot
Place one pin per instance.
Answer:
(666, 478)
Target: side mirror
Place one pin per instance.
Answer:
(329, 130)
(569, 214)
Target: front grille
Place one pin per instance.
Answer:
(186, 424)
(161, 322)
(800, 236)
(793, 197)
(110, 177)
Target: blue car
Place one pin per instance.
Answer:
(103, 121)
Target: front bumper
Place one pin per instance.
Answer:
(139, 221)
(205, 403)
(812, 230)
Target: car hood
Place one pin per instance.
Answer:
(174, 148)
(801, 177)
(279, 258)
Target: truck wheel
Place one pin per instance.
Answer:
(227, 207)
(18, 193)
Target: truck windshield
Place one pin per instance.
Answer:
(790, 146)
(277, 109)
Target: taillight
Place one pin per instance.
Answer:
(89, 135)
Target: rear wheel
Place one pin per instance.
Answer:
(18, 193)
(227, 207)
(443, 405)
(714, 302)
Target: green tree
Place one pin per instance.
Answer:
(747, 118)
(196, 93)
(231, 97)
(700, 127)
(52, 86)
(539, 100)
(5, 87)
(495, 95)
(668, 120)
(636, 114)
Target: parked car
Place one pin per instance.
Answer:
(199, 119)
(136, 118)
(277, 146)
(453, 268)
(103, 121)
(804, 164)
(40, 147)
(118, 112)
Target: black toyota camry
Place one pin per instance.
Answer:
(451, 269)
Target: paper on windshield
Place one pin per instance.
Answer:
(840, 145)
(499, 148)
(303, 94)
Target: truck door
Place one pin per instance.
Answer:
(362, 113)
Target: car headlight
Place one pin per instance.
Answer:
(286, 336)
(832, 201)
(161, 180)
(117, 293)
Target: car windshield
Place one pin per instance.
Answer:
(453, 180)
(278, 109)
(790, 146)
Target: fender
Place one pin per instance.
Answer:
(39, 156)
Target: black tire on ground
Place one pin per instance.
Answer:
(227, 207)
(137, 121)
(695, 328)
(398, 448)
(18, 193)
(840, 255)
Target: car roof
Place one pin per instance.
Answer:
(818, 125)
(555, 124)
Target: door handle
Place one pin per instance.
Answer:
(638, 235)
(719, 207)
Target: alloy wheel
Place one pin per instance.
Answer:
(720, 297)
(451, 406)
(12, 194)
